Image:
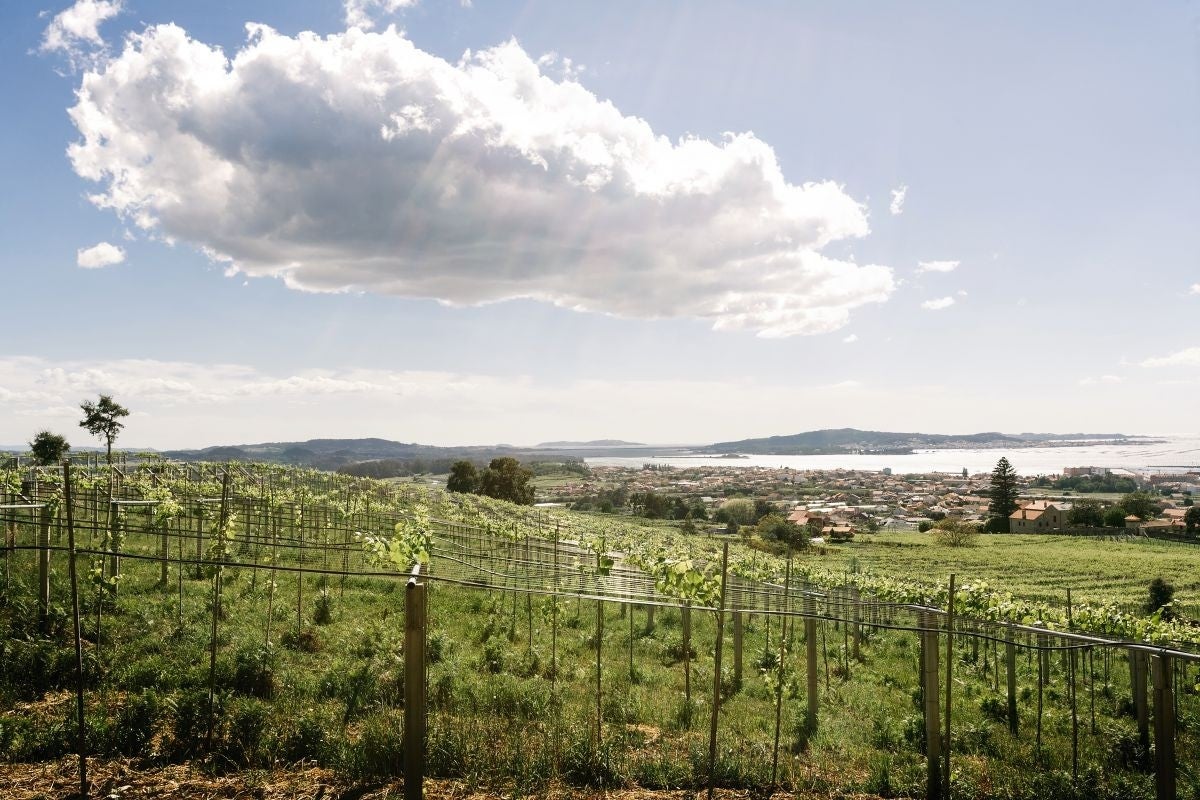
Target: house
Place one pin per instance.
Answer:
(1039, 516)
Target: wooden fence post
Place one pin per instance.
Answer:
(946, 742)
(1010, 662)
(716, 706)
(737, 650)
(810, 657)
(1164, 728)
(933, 734)
(44, 564)
(80, 720)
(1137, 660)
(414, 688)
(856, 598)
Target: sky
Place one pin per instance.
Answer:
(480, 222)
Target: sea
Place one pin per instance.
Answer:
(1158, 454)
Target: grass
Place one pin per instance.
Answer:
(504, 713)
(1036, 566)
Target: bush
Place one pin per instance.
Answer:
(1161, 595)
(955, 533)
(136, 722)
(254, 672)
(247, 725)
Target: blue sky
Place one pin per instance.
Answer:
(371, 233)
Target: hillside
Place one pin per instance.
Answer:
(841, 440)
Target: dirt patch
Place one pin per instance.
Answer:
(121, 779)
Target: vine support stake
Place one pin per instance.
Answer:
(414, 686)
(44, 565)
(716, 706)
(949, 680)
(216, 610)
(80, 722)
(737, 649)
(1010, 663)
(1164, 728)
(929, 682)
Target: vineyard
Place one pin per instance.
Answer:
(245, 617)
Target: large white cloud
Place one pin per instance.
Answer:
(358, 161)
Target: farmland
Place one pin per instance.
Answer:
(259, 615)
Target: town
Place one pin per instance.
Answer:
(837, 504)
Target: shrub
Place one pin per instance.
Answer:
(136, 722)
(955, 533)
(254, 672)
(1161, 595)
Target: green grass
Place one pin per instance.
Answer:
(1035, 566)
(502, 717)
(312, 671)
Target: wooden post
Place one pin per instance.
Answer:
(414, 688)
(1010, 663)
(686, 618)
(716, 706)
(787, 582)
(737, 649)
(1138, 662)
(856, 598)
(80, 722)
(114, 557)
(44, 564)
(933, 736)
(946, 746)
(810, 653)
(1164, 728)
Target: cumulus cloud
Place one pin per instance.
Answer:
(76, 31)
(937, 266)
(1189, 357)
(897, 204)
(851, 338)
(938, 304)
(1194, 288)
(361, 13)
(99, 255)
(358, 162)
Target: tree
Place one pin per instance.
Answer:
(506, 479)
(1114, 517)
(955, 533)
(1003, 492)
(739, 510)
(1192, 520)
(464, 478)
(1086, 513)
(1161, 595)
(1140, 504)
(49, 448)
(776, 527)
(103, 419)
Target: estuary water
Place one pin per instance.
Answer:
(1165, 454)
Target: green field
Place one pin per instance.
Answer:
(309, 667)
(1036, 566)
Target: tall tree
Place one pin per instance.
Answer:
(1003, 492)
(1192, 519)
(103, 419)
(49, 448)
(1141, 504)
(1086, 512)
(506, 479)
(464, 478)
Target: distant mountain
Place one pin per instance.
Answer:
(592, 443)
(844, 440)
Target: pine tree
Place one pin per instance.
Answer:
(1003, 492)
